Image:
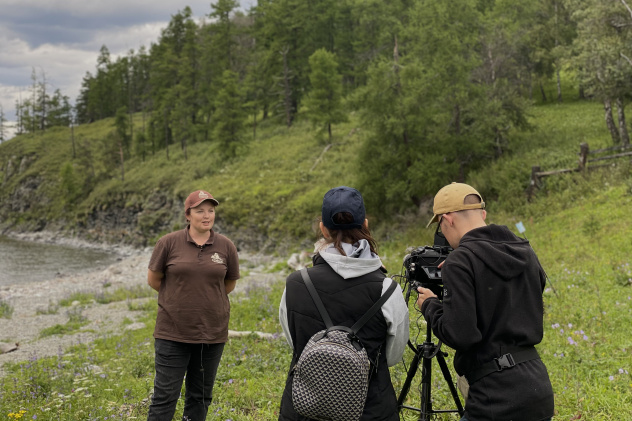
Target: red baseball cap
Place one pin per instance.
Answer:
(198, 197)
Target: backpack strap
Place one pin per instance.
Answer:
(316, 298)
(323, 312)
(374, 308)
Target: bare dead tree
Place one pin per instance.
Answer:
(612, 127)
(43, 104)
(73, 120)
(623, 130)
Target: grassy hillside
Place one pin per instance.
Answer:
(270, 194)
(273, 188)
(578, 224)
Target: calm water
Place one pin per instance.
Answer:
(25, 261)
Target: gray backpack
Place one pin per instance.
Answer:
(331, 376)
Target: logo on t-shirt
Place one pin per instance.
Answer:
(217, 259)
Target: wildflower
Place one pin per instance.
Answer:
(555, 325)
(571, 341)
(611, 378)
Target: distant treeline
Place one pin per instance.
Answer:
(439, 85)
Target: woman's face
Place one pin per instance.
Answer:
(202, 217)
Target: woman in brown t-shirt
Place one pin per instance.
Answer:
(193, 270)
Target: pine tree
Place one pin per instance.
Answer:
(3, 121)
(173, 79)
(324, 101)
(122, 137)
(230, 116)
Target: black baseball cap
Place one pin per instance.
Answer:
(343, 199)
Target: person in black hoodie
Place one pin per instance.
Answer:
(491, 313)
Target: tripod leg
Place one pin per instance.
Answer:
(414, 364)
(426, 383)
(448, 378)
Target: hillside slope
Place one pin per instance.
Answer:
(271, 191)
(269, 195)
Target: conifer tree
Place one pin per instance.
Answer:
(229, 117)
(122, 136)
(3, 121)
(324, 101)
(173, 77)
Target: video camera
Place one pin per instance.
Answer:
(421, 263)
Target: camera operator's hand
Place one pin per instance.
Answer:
(424, 294)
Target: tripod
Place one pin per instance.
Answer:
(428, 351)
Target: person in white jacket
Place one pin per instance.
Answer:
(349, 276)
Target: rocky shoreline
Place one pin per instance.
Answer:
(50, 237)
(31, 301)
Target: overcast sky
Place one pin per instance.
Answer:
(62, 38)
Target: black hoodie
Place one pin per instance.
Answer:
(492, 305)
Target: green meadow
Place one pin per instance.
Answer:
(579, 225)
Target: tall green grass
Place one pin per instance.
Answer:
(582, 244)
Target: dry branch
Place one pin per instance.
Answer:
(240, 334)
(320, 157)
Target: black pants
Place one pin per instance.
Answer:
(173, 360)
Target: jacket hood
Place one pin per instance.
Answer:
(499, 249)
(358, 261)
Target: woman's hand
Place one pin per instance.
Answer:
(154, 279)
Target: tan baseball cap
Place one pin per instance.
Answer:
(451, 199)
(198, 197)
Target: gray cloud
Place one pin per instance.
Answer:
(62, 38)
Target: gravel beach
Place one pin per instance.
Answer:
(30, 299)
(30, 302)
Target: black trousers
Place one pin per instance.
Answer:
(173, 360)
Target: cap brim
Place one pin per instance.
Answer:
(214, 201)
(434, 219)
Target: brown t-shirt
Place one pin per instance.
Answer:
(193, 306)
